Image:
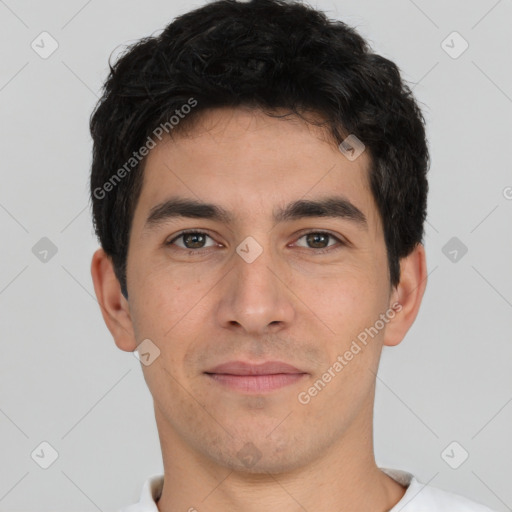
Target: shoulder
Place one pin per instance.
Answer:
(432, 498)
(150, 493)
(420, 497)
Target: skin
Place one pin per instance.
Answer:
(292, 304)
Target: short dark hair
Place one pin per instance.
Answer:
(268, 55)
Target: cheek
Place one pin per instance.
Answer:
(344, 295)
(349, 305)
(172, 309)
(165, 291)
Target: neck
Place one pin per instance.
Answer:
(344, 478)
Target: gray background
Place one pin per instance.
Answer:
(62, 379)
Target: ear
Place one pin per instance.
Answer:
(407, 296)
(114, 307)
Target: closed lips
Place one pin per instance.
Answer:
(243, 369)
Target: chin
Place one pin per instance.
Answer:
(261, 454)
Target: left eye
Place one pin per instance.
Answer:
(318, 240)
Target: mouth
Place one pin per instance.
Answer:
(255, 378)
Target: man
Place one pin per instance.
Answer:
(259, 191)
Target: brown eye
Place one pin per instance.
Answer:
(192, 240)
(318, 240)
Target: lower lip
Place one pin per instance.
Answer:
(256, 383)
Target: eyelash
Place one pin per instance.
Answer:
(340, 244)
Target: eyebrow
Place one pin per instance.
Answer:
(333, 206)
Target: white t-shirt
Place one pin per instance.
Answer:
(417, 498)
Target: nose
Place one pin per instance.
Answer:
(255, 296)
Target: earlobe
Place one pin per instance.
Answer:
(408, 295)
(114, 307)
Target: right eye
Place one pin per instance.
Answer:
(192, 240)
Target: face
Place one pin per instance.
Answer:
(287, 266)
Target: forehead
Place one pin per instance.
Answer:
(252, 163)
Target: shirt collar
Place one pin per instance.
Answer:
(152, 489)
